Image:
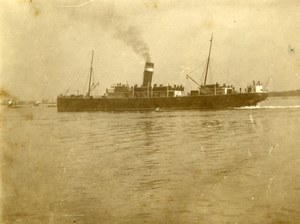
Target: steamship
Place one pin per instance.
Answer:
(123, 97)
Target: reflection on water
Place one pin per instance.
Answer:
(228, 166)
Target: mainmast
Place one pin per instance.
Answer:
(91, 70)
(208, 59)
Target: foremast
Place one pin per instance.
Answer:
(90, 78)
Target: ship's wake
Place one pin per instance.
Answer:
(258, 107)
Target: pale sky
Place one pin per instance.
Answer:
(46, 45)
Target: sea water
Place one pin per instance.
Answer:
(189, 166)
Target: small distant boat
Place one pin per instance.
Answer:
(36, 103)
(161, 97)
(12, 104)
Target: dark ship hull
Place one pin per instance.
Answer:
(185, 102)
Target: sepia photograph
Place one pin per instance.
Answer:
(149, 111)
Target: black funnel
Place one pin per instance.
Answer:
(148, 72)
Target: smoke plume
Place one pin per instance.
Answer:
(125, 32)
(133, 38)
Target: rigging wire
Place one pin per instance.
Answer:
(85, 86)
(71, 77)
(198, 66)
(183, 73)
(72, 83)
(210, 73)
(186, 83)
(194, 69)
(202, 76)
(95, 80)
(227, 73)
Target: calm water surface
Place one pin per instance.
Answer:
(228, 166)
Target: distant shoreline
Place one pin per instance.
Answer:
(285, 93)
